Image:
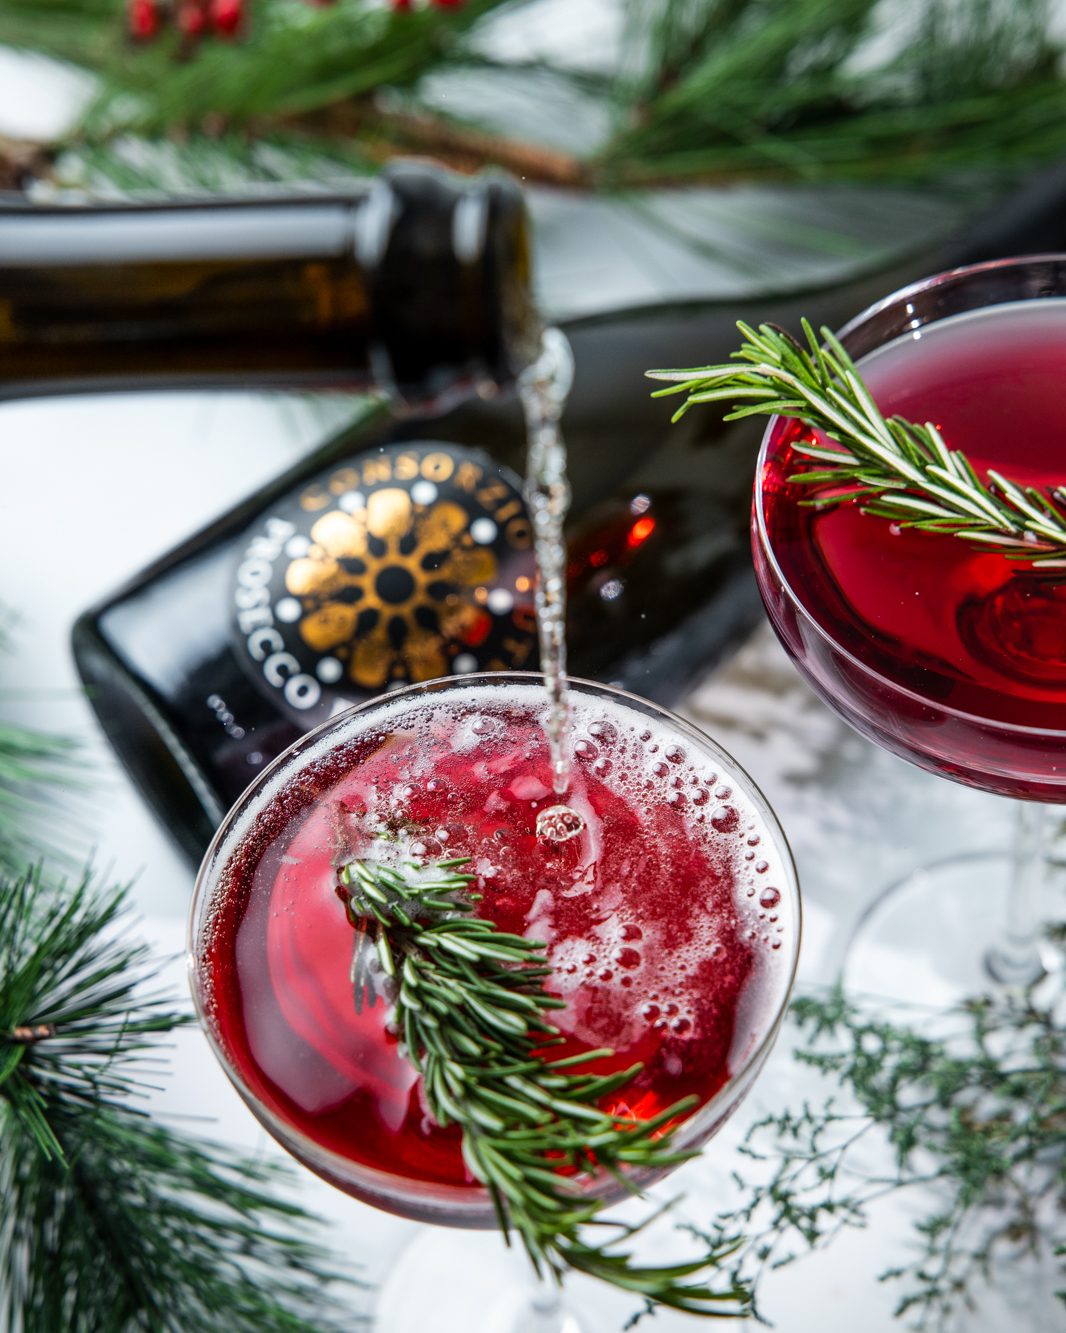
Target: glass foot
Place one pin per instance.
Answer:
(940, 935)
(451, 1281)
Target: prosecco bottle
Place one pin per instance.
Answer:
(398, 551)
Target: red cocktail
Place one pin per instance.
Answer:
(671, 918)
(942, 651)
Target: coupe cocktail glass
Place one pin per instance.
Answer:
(941, 650)
(672, 922)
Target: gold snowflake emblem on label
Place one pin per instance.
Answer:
(392, 583)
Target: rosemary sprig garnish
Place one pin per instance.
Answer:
(471, 1005)
(895, 469)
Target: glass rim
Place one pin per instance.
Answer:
(853, 326)
(695, 1128)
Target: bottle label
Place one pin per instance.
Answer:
(400, 565)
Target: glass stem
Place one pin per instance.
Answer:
(545, 1310)
(1015, 961)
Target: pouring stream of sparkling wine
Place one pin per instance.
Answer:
(543, 389)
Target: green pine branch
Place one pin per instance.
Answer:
(111, 1223)
(471, 1004)
(32, 765)
(894, 469)
(707, 88)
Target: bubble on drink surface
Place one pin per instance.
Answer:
(482, 726)
(769, 898)
(726, 819)
(660, 769)
(675, 754)
(558, 823)
(585, 750)
(761, 867)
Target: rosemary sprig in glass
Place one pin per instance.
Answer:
(895, 469)
(471, 1005)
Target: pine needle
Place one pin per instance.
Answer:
(110, 1222)
(33, 765)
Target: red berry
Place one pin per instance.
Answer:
(143, 19)
(226, 16)
(448, 4)
(192, 19)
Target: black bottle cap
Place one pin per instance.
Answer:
(449, 274)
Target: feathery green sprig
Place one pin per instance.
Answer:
(895, 469)
(969, 1103)
(471, 1004)
(111, 1223)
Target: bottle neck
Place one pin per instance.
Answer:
(417, 282)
